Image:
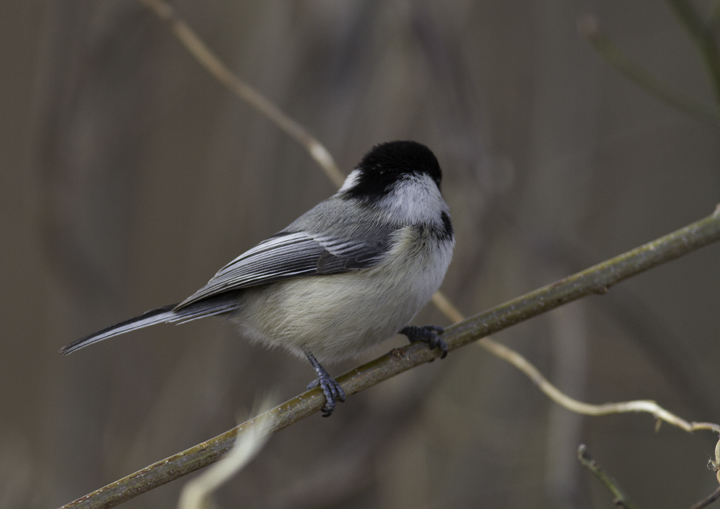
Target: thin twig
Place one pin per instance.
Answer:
(620, 498)
(446, 307)
(243, 90)
(196, 494)
(595, 280)
(616, 58)
(709, 500)
(580, 407)
(526, 367)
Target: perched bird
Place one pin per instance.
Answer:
(348, 274)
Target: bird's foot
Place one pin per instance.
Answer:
(331, 389)
(427, 334)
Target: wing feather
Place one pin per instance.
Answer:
(291, 254)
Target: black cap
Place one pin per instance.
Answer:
(389, 162)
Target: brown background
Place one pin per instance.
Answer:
(129, 176)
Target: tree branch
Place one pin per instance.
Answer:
(243, 90)
(620, 498)
(595, 280)
(709, 500)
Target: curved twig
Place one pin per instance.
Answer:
(580, 407)
(708, 500)
(620, 498)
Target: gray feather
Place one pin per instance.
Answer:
(221, 305)
(301, 250)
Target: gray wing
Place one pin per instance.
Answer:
(291, 254)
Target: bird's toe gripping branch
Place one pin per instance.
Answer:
(427, 334)
(332, 390)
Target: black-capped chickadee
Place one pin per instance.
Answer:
(351, 272)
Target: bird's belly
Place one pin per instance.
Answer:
(336, 316)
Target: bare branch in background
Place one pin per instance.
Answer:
(709, 500)
(243, 90)
(579, 407)
(196, 494)
(620, 498)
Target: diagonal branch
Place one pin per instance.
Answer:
(595, 280)
(620, 498)
(243, 90)
(708, 500)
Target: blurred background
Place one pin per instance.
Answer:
(129, 176)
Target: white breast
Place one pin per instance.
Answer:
(339, 316)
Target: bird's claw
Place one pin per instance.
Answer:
(427, 334)
(332, 391)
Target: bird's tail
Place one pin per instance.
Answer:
(218, 305)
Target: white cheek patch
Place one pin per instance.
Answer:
(415, 200)
(350, 181)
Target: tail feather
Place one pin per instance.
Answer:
(219, 305)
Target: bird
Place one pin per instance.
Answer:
(346, 275)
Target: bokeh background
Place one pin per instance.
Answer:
(128, 176)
